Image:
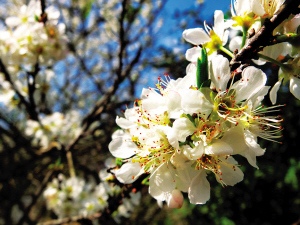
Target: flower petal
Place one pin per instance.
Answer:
(295, 86)
(220, 72)
(183, 128)
(199, 191)
(219, 23)
(193, 101)
(129, 172)
(122, 147)
(273, 92)
(229, 175)
(163, 179)
(193, 153)
(193, 53)
(235, 43)
(196, 36)
(252, 81)
(219, 148)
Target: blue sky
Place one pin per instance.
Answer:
(170, 35)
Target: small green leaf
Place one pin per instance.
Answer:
(202, 68)
(119, 161)
(198, 72)
(212, 96)
(86, 9)
(191, 119)
(205, 84)
(146, 180)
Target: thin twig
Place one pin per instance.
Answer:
(32, 113)
(101, 105)
(36, 196)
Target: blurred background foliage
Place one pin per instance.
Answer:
(266, 196)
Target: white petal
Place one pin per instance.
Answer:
(122, 147)
(173, 102)
(235, 43)
(12, 21)
(252, 81)
(193, 101)
(295, 86)
(124, 123)
(241, 7)
(220, 72)
(273, 51)
(273, 92)
(183, 128)
(157, 193)
(193, 53)
(194, 153)
(163, 179)
(253, 150)
(219, 23)
(129, 172)
(257, 7)
(225, 37)
(219, 148)
(235, 138)
(199, 191)
(259, 96)
(196, 36)
(231, 176)
(118, 133)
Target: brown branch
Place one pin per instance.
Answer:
(32, 113)
(102, 104)
(264, 36)
(43, 17)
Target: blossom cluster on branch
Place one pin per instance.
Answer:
(33, 37)
(183, 130)
(74, 196)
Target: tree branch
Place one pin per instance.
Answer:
(32, 113)
(264, 36)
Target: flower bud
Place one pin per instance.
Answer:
(176, 199)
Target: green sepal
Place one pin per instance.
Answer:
(194, 138)
(146, 180)
(205, 84)
(119, 162)
(202, 68)
(191, 144)
(191, 119)
(214, 116)
(183, 143)
(213, 96)
(86, 9)
(57, 165)
(232, 92)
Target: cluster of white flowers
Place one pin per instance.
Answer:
(74, 196)
(55, 128)
(29, 40)
(184, 129)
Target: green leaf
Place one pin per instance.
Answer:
(146, 180)
(205, 84)
(191, 119)
(119, 161)
(87, 9)
(202, 68)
